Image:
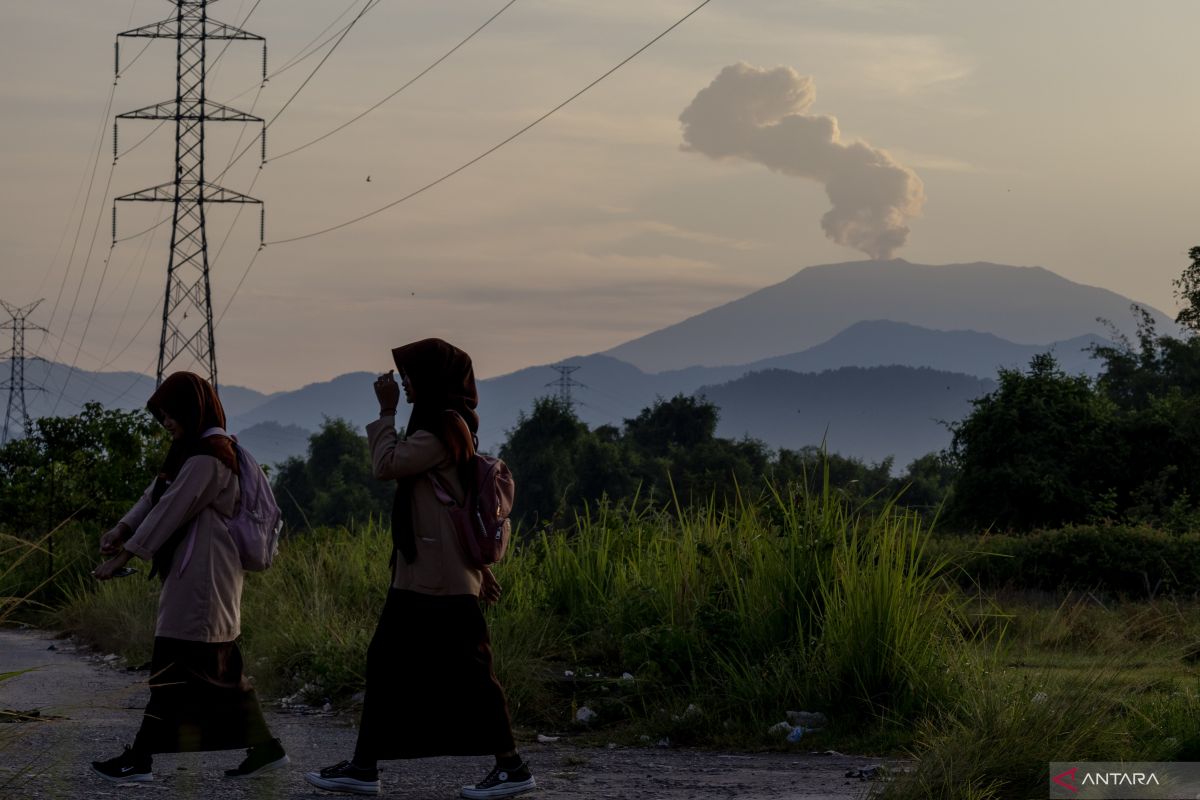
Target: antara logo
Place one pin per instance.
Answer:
(1068, 779)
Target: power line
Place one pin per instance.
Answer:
(370, 4)
(410, 82)
(495, 147)
(79, 290)
(82, 216)
(301, 55)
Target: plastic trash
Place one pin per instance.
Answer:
(797, 733)
(808, 719)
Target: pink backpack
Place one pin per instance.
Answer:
(257, 521)
(482, 521)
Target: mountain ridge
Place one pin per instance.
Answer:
(1025, 305)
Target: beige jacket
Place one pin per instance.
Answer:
(201, 601)
(440, 567)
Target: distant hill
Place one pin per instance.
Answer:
(348, 396)
(959, 320)
(272, 443)
(1027, 305)
(871, 413)
(123, 390)
(880, 343)
(278, 426)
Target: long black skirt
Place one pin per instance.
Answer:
(431, 689)
(199, 700)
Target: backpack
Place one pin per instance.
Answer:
(256, 522)
(481, 522)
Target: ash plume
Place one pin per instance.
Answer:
(760, 115)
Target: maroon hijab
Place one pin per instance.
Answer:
(193, 403)
(444, 395)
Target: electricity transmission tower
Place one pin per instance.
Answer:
(565, 383)
(17, 412)
(187, 323)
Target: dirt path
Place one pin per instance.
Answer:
(90, 708)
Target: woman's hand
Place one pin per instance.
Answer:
(490, 590)
(110, 543)
(387, 392)
(106, 570)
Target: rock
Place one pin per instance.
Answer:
(584, 715)
(612, 745)
(807, 719)
(1041, 697)
(111, 657)
(327, 707)
(544, 739)
(643, 738)
(866, 773)
(692, 711)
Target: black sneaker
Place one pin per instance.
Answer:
(501, 782)
(260, 760)
(125, 768)
(345, 777)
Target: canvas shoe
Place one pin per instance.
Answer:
(501, 782)
(125, 768)
(345, 777)
(260, 760)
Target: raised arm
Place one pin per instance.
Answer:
(393, 457)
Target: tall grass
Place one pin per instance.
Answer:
(743, 611)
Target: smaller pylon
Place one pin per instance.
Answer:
(565, 383)
(16, 384)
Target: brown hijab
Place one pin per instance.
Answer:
(193, 403)
(444, 395)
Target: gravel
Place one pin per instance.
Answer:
(88, 708)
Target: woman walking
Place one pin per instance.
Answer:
(431, 689)
(199, 697)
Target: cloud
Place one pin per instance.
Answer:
(759, 115)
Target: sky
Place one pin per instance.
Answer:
(1055, 134)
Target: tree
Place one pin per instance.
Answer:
(671, 425)
(1038, 451)
(544, 452)
(94, 465)
(1187, 289)
(334, 485)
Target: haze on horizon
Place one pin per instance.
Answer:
(1048, 134)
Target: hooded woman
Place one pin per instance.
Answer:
(431, 689)
(199, 697)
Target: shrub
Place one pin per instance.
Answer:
(1120, 560)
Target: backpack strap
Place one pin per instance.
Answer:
(219, 432)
